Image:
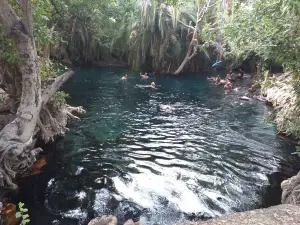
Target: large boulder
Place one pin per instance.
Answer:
(291, 190)
(276, 215)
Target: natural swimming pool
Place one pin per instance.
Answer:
(209, 155)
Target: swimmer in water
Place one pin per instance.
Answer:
(228, 86)
(144, 76)
(124, 77)
(211, 78)
(218, 79)
(237, 89)
(252, 89)
(153, 84)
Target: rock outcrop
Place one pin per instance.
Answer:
(291, 190)
(276, 215)
(104, 220)
(284, 214)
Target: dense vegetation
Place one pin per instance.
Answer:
(269, 30)
(167, 36)
(147, 34)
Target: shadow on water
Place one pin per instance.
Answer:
(183, 151)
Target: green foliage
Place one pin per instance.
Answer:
(270, 29)
(161, 33)
(49, 69)
(297, 152)
(59, 99)
(23, 214)
(7, 48)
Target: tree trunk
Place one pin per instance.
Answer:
(17, 138)
(188, 57)
(193, 46)
(259, 70)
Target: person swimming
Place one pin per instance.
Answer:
(124, 77)
(237, 89)
(218, 79)
(144, 76)
(242, 72)
(230, 76)
(240, 76)
(222, 82)
(228, 86)
(153, 84)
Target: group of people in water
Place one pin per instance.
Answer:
(143, 76)
(228, 83)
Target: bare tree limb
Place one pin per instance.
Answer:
(192, 49)
(185, 25)
(58, 82)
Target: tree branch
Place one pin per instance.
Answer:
(27, 16)
(203, 11)
(8, 16)
(51, 89)
(194, 53)
(187, 26)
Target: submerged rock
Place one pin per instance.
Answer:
(276, 215)
(291, 190)
(104, 220)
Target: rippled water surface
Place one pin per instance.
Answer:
(180, 152)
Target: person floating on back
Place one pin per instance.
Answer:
(124, 77)
(211, 78)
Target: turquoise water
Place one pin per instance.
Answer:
(180, 152)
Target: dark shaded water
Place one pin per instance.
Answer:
(209, 155)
